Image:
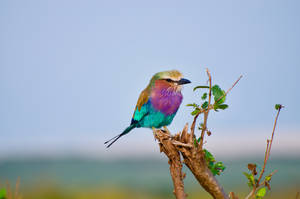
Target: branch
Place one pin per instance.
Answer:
(269, 145)
(195, 161)
(230, 88)
(168, 148)
(209, 107)
(267, 155)
(205, 113)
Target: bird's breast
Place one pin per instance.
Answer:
(166, 101)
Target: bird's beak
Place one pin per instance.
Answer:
(183, 81)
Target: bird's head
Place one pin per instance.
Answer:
(172, 79)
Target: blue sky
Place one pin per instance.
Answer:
(71, 71)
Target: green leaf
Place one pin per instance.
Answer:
(201, 125)
(215, 168)
(215, 171)
(193, 105)
(222, 106)
(247, 175)
(277, 106)
(204, 96)
(251, 180)
(261, 192)
(2, 194)
(268, 178)
(220, 166)
(195, 143)
(195, 112)
(200, 87)
(208, 156)
(205, 105)
(216, 107)
(218, 93)
(199, 139)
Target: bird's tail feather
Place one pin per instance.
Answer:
(114, 139)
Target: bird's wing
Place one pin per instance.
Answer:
(142, 99)
(141, 109)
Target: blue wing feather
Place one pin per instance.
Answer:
(138, 115)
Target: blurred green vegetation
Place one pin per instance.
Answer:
(136, 178)
(119, 193)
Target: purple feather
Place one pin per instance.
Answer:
(165, 100)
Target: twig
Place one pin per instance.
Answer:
(266, 158)
(271, 174)
(230, 88)
(265, 163)
(211, 107)
(269, 145)
(194, 123)
(274, 127)
(205, 113)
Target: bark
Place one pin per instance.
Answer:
(193, 157)
(167, 147)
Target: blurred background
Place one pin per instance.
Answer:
(71, 73)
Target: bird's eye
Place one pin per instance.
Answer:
(169, 80)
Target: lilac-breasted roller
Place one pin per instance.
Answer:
(158, 103)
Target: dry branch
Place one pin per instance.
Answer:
(266, 158)
(193, 160)
(169, 148)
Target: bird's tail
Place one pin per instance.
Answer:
(114, 139)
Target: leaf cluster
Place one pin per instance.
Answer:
(215, 167)
(219, 99)
(253, 181)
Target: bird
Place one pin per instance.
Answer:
(158, 103)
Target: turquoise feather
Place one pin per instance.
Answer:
(151, 117)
